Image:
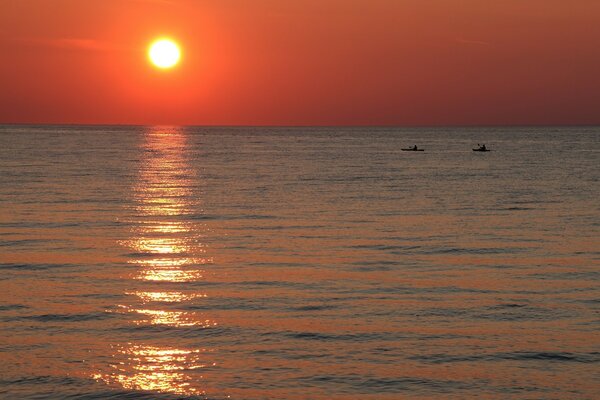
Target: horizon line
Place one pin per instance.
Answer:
(302, 125)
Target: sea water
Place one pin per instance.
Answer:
(299, 263)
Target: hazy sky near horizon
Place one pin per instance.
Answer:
(302, 62)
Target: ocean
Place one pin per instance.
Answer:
(299, 263)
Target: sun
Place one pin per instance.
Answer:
(164, 53)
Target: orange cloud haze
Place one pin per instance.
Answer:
(311, 62)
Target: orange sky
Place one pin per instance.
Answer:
(302, 62)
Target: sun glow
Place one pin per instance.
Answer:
(164, 53)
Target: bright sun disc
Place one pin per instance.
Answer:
(164, 53)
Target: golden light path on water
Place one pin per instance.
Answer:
(157, 369)
(166, 251)
(165, 297)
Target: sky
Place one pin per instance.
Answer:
(302, 62)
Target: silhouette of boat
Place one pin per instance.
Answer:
(480, 149)
(412, 149)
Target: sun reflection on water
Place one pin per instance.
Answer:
(168, 317)
(159, 246)
(173, 318)
(167, 227)
(169, 275)
(166, 297)
(166, 249)
(158, 369)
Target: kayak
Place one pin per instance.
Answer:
(412, 149)
(481, 150)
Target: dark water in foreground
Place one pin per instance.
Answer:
(299, 263)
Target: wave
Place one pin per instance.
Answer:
(587, 358)
(34, 267)
(74, 388)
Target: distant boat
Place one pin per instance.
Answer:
(481, 148)
(413, 149)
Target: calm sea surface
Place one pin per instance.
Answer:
(305, 263)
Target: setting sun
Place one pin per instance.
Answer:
(164, 53)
